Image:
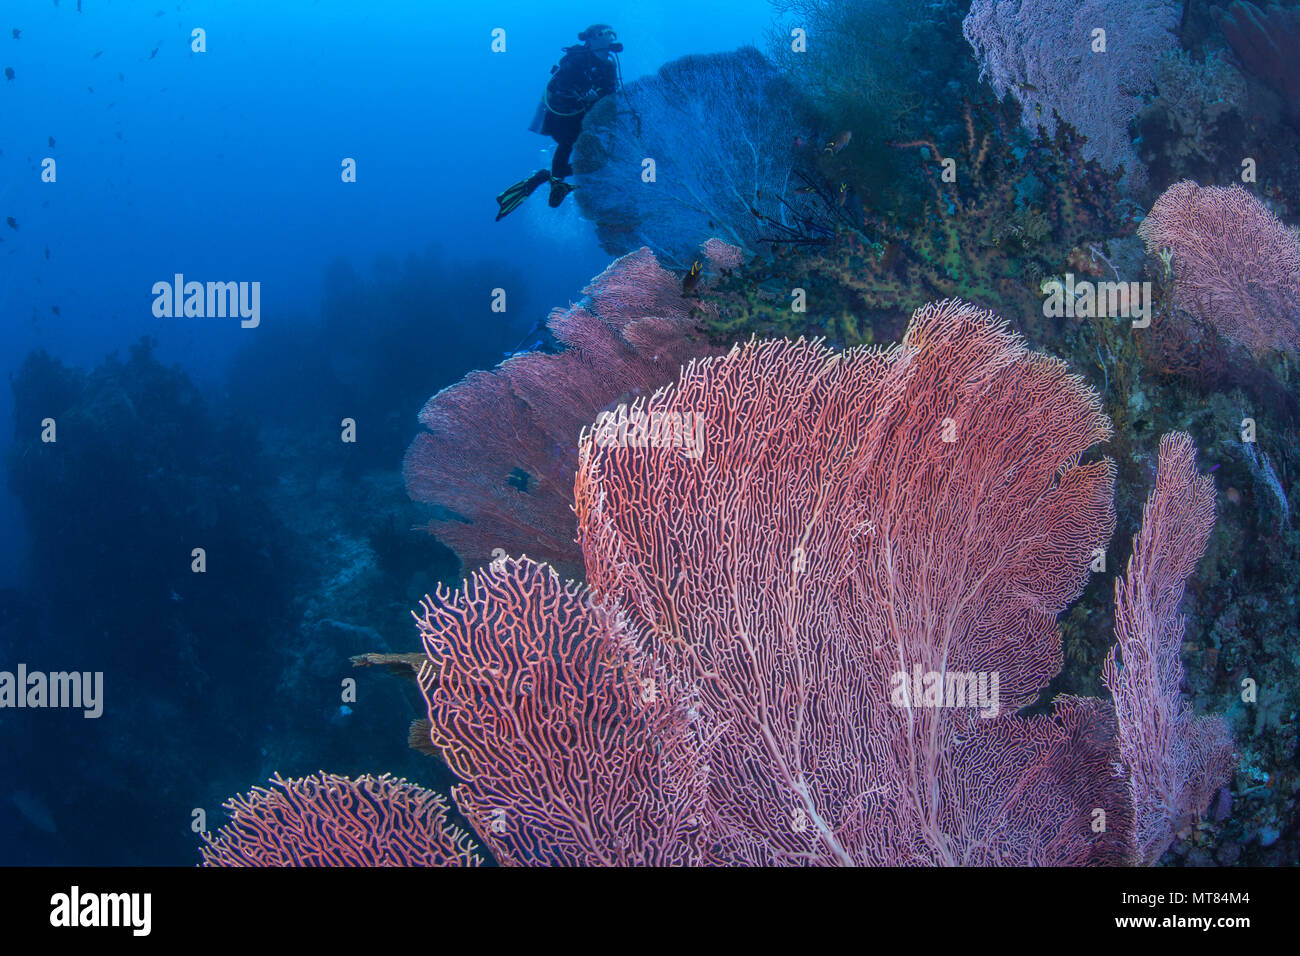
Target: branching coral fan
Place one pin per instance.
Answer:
(1235, 265)
(1087, 61)
(1177, 760)
(329, 820)
(500, 448)
(719, 129)
(810, 644)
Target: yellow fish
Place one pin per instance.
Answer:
(839, 142)
(692, 278)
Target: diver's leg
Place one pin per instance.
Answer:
(566, 134)
(560, 163)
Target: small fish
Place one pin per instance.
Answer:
(11, 222)
(51, 139)
(1028, 87)
(54, 309)
(524, 349)
(153, 53)
(800, 142)
(802, 190)
(839, 142)
(78, 6)
(692, 278)
(9, 73)
(47, 252)
(98, 54)
(17, 33)
(844, 194)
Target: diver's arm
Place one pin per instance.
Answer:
(568, 76)
(607, 77)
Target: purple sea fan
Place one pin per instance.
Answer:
(1235, 264)
(1175, 761)
(1042, 52)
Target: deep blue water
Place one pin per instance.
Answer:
(225, 165)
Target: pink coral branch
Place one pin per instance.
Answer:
(574, 747)
(329, 820)
(1175, 761)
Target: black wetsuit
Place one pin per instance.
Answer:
(580, 72)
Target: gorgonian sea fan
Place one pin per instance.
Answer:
(1236, 266)
(1044, 52)
(330, 820)
(728, 688)
(1176, 760)
(720, 129)
(854, 516)
(831, 539)
(499, 448)
(575, 748)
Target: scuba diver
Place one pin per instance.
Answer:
(583, 76)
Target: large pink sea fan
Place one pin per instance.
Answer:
(501, 447)
(855, 516)
(1235, 265)
(807, 636)
(575, 747)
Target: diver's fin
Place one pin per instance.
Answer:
(559, 189)
(511, 197)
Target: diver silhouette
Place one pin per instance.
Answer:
(585, 73)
